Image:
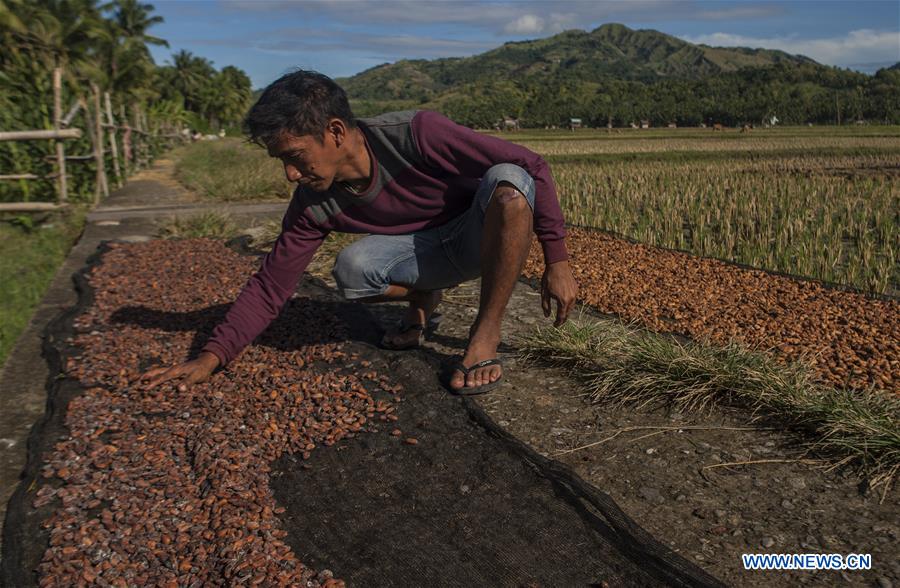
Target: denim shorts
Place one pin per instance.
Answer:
(432, 259)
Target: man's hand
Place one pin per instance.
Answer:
(190, 372)
(559, 284)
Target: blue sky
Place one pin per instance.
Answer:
(265, 38)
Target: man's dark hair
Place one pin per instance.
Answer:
(301, 103)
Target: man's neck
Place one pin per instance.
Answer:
(357, 168)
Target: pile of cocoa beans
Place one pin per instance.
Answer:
(168, 488)
(852, 341)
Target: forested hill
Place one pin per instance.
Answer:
(617, 74)
(612, 50)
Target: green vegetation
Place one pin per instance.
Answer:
(620, 76)
(30, 252)
(622, 364)
(231, 170)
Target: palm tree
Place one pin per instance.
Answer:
(129, 63)
(57, 32)
(188, 75)
(133, 19)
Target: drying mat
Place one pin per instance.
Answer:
(464, 505)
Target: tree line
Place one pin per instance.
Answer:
(107, 45)
(794, 94)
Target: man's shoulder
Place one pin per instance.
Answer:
(390, 119)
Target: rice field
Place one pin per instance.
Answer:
(821, 203)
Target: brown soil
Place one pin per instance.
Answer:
(852, 340)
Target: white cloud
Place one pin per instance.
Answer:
(298, 41)
(856, 47)
(760, 11)
(527, 24)
(499, 16)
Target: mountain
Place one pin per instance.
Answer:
(612, 51)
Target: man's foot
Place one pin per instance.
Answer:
(419, 317)
(404, 336)
(482, 369)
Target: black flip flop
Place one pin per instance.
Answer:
(458, 366)
(402, 328)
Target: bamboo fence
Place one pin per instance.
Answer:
(102, 130)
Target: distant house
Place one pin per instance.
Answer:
(672, 125)
(574, 123)
(645, 124)
(510, 124)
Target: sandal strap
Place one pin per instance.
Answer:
(486, 363)
(432, 322)
(481, 364)
(405, 328)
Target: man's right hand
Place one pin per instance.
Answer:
(190, 372)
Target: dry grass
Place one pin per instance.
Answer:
(622, 364)
(211, 225)
(231, 170)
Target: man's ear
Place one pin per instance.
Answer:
(337, 130)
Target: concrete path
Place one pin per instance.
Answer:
(129, 214)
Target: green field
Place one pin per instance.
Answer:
(820, 202)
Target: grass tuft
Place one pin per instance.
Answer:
(211, 225)
(622, 364)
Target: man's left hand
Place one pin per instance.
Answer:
(558, 284)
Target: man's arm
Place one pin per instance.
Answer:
(267, 290)
(260, 301)
(459, 150)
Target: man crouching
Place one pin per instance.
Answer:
(441, 205)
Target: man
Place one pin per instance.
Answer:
(442, 204)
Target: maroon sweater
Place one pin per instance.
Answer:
(426, 169)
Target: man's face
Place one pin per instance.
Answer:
(308, 162)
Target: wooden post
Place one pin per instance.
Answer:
(141, 150)
(127, 151)
(61, 186)
(46, 134)
(76, 106)
(113, 147)
(137, 138)
(145, 126)
(98, 144)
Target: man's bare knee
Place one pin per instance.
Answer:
(509, 199)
